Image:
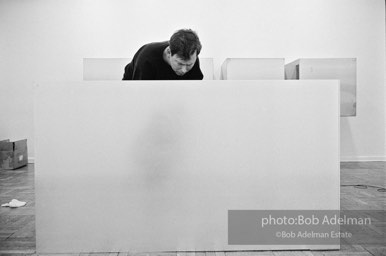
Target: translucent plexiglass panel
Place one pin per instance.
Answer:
(155, 166)
(343, 69)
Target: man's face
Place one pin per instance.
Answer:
(181, 66)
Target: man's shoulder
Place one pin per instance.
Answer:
(155, 47)
(150, 53)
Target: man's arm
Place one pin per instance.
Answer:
(128, 75)
(145, 71)
(196, 73)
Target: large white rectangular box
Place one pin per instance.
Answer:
(343, 69)
(253, 69)
(104, 69)
(155, 166)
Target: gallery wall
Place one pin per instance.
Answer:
(42, 41)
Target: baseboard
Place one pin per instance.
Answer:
(31, 160)
(362, 158)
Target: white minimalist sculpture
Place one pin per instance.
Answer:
(102, 69)
(156, 165)
(343, 69)
(253, 69)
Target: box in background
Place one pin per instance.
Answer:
(253, 69)
(343, 69)
(13, 154)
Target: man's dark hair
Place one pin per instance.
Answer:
(184, 43)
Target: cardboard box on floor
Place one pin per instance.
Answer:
(13, 154)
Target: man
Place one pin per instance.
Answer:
(176, 59)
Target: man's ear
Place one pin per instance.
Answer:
(168, 51)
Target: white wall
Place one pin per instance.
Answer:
(43, 40)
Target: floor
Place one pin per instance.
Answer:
(17, 225)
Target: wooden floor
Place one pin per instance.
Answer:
(17, 225)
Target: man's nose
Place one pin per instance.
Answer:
(184, 69)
